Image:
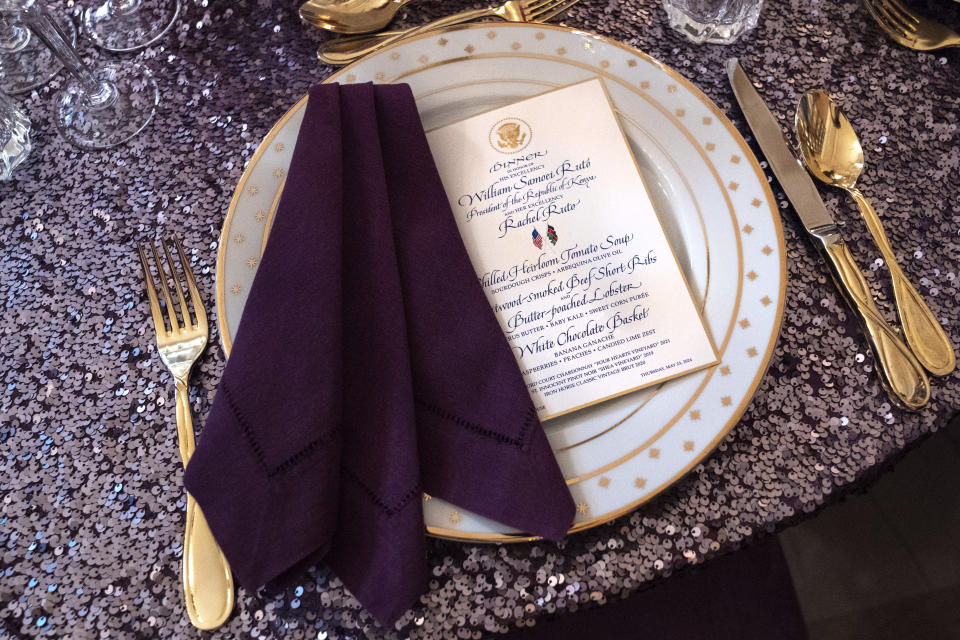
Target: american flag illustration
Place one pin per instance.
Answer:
(537, 240)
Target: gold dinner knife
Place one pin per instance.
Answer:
(900, 373)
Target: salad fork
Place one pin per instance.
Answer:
(909, 29)
(207, 581)
(342, 51)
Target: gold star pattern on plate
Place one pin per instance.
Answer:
(442, 42)
(604, 63)
(582, 507)
(278, 147)
(766, 250)
(351, 77)
(394, 56)
(251, 262)
(640, 483)
(756, 202)
(541, 35)
(747, 229)
(724, 370)
(491, 34)
(694, 415)
(766, 301)
(672, 88)
(680, 113)
(604, 482)
(239, 238)
(726, 401)
(707, 121)
(279, 173)
(752, 275)
(515, 46)
(423, 59)
(752, 352)
(469, 48)
(260, 215)
(235, 289)
(654, 453)
(455, 517)
(733, 186)
(735, 159)
(631, 62)
(252, 190)
(587, 46)
(688, 445)
(561, 51)
(744, 323)
(379, 77)
(710, 146)
(644, 85)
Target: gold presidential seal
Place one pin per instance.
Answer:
(510, 135)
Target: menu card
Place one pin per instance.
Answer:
(568, 248)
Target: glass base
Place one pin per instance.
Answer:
(33, 65)
(143, 23)
(125, 105)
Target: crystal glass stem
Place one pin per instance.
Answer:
(14, 137)
(49, 32)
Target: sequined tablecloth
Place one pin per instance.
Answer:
(92, 502)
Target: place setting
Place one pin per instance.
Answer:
(498, 301)
(625, 412)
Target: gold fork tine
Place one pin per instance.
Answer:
(158, 324)
(533, 5)
(894, 18)
(162, 275)
(902, 12)
(555, 10)
(880, 15)
(192, 285)
(187, 320)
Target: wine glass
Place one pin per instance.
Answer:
(25, 63)
(126, 25)
(99, 107)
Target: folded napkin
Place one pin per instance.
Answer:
(368, 368)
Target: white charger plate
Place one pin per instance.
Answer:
(709, 192)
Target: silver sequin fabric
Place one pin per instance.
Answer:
(92, 512)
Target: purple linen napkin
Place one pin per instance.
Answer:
(367, 369)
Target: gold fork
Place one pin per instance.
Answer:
(342, 51)
(909, 29)
(207, 581)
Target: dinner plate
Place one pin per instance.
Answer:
(709, 192)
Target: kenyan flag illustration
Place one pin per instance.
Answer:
(551, 234)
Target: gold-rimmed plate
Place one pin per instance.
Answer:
(708, 189)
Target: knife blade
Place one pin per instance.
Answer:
(900, 373)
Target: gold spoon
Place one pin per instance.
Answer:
(832, 153)
(350, 16)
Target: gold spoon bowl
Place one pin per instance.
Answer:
(350, 16)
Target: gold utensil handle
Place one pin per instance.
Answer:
(207, 580)
(900, 373)
(920, 327)
(346, 50)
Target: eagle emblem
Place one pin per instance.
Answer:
(510, 135)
